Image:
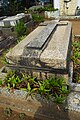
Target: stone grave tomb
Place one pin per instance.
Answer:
(5, 41)
(45, 51)
(7, 24)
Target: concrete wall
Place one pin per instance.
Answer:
(68, 9)
(78, 3)
(57, 4)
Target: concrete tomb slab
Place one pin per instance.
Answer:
(46, 48)
(42, 37)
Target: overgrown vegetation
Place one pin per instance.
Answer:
(22, 116)
(37, 18)
(41, 8)
(7, 112)
(3, 59)
(76, 60)
(38, 12)
(21, 38)
(21, 28)
(47, 8)
(13, 7)
(53, 87)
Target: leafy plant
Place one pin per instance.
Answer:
(8, 112)
(12, 80)
(45, 8)
(31, 80)
(37, 18)
(59, 98)
(1, 82)
(5, 60)
(49, 8)
(54, 86)
(30, 90)
(76, 60)
(20, 29)
(22, 116)
(43, 89)
(21, 38)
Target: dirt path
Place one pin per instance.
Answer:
(76, 27)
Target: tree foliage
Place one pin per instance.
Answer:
(14, 7)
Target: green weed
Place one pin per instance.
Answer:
(22, 116)
(37, 18)
(8, 112)
(54, 86)
(76, 60)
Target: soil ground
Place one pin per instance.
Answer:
(61, 115)
(75, 27)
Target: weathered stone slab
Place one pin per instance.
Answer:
(18, 50)
(35, 106)
(48, 22)
(42, 37)
(6, 41)
(56, 53)
(73, 101)
(50, 52)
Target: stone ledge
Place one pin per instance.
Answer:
(73, 100)
(35, 106)
(73, 86)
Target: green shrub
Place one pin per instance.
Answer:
(12, 80)
(22, 37)
(20, 29)
(22, 116)
(8, 112)
(40, 9)
(47, 8)
(54, 87)
(37, 18)
(76, 60)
